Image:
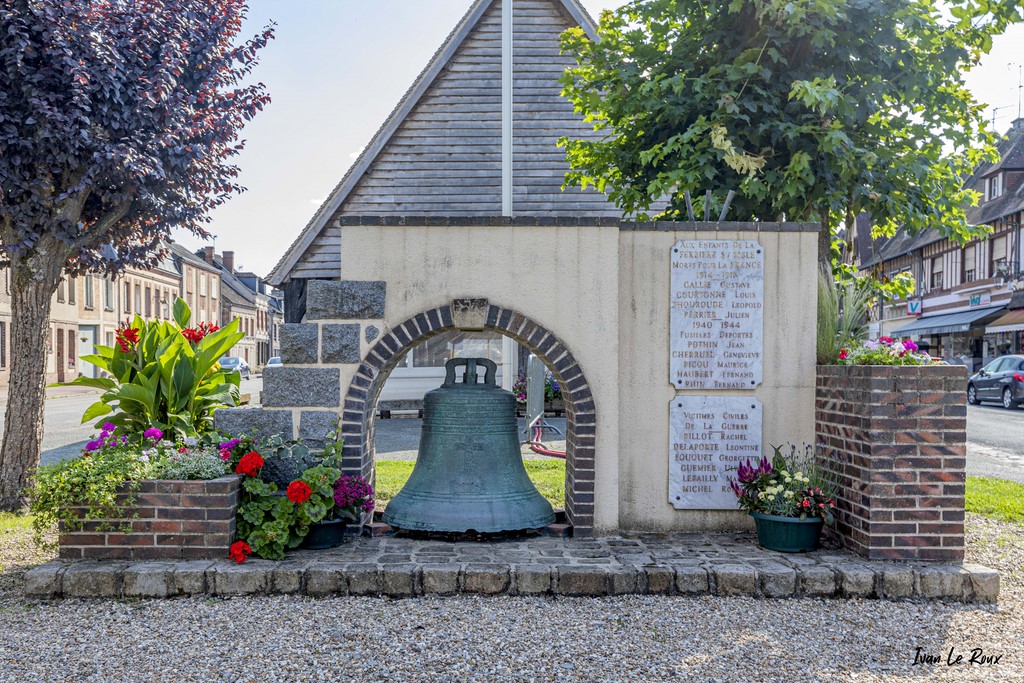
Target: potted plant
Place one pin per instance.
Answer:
(313, 511)
(790, 499)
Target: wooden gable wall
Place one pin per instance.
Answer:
(445, 157)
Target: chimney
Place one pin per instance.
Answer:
(208, 255)
(1016, 128)
(228, 259)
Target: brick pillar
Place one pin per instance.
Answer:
(897, 439)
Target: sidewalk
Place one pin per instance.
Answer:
(57, 392)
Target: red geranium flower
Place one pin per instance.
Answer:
(239, 551)
(807, 503)
(844, 354)
(250, 464)
(298, 492)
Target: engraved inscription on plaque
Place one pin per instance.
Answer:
(716, 315)
(710, 436)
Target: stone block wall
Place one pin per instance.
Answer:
(170, 520)
(896, 438)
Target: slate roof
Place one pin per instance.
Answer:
(1011, 151)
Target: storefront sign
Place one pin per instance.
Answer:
(980, 299)
(710, 437)
(716, 315)
(915, 307)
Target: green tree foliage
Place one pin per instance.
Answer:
(815, 110)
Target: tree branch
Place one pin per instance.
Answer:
(104, 225)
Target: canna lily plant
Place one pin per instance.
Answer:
(164, 374)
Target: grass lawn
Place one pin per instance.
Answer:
(547, 475)
(995, 498)
(14, 522)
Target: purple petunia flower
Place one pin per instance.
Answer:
(228, 445)
(108, 427)
(94, 445)
(153, 433)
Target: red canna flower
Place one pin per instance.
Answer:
(127, 338)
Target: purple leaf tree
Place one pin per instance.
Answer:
(118, 122)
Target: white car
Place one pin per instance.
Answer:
(276, 360)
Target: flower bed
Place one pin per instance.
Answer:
(168, 520)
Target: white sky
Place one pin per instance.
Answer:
(336, 70)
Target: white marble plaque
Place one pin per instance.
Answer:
(716, 315)
(710, 436)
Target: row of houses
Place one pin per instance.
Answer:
(87, 310)
(968, 306)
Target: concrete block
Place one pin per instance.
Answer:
(287, 577)
(44, 581)
(399, 580)
(364, 579)
(533, 579)
(734, 579)
(440, 579)
(314, 425)
(252, 577)
(93, 580)
(659, 578)
(776, 580)
(856, 581)
(623, 580)
(149, 580)
(470, 314)
(301, 387)
(941, 581)
(582, 580)
(982, 582)
(691, 580)
(189, 577)
(897, 582)
(326, 578)
(340, 344)
(816, 580)
(345, 300)
(299, 343)
(489, 579)
(256, 422)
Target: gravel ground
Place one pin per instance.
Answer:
(516, 639)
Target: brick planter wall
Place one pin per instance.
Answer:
(171, 520)
(896, 436)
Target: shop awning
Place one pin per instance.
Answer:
(946, 324)
(1011, 322)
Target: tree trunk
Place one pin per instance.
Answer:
(34, 278)
(825, 248)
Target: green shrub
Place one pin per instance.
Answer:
(164, 375)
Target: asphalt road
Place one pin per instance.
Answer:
(995, 435)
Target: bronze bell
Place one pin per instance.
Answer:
(469, 474)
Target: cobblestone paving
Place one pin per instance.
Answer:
(693, 564)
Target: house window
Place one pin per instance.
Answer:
(60, 291)
(936, 279)
(3, 345)
(970, 263)
(149, 302)
(71, 348)
(167, 305)
(213, 288)
(127, 297)
(72, 287)
(993, 187)
(138, 299)
(108, 294)
(89, 302)
(156, 302)
(109, 339)
(998, 255)
(202, 284)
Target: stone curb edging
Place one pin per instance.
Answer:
(95, 579)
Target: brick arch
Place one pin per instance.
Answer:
(581, 417)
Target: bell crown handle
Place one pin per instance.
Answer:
(472, 374)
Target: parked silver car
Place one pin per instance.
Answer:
(1001, 380)
(276, 360)
(235, 363)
